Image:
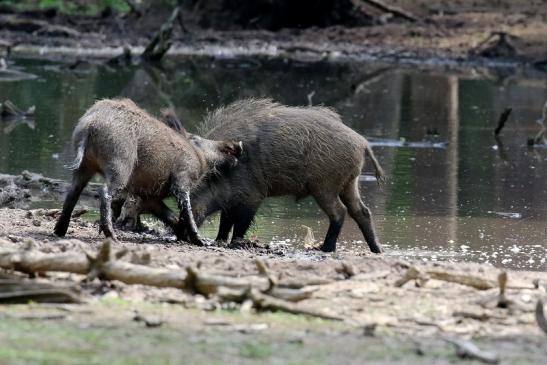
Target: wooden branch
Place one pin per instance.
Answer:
(468, 350)
(378, 4)
(160, 44)
(464, 279)
(19, 290)
(501, 121)
(262, 290)
(265, 301)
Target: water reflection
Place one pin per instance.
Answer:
(469, 200)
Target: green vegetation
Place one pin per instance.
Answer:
(91, 7)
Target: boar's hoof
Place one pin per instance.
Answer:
(376, 248)
(199, 241)
(327, 248)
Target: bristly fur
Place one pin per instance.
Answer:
(251, 109)
(289, 151)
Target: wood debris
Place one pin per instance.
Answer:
(468, 350)
(459, 278)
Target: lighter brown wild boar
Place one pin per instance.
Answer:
(296, 151)
(140, 156)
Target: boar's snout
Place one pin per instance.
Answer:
(233, 149)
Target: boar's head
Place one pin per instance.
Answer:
(218, 154)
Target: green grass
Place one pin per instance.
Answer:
(92, 7)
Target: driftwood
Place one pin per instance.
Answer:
(398, 12)
(265, 301)
(501, 121)
(18, 290)
(464, 279)
(161, 42)
(265, 291)
(10, 110)
(468, 350)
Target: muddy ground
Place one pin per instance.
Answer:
(446, 32)
(380, 322)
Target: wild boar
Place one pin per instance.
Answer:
(141, 156)
(295, 151)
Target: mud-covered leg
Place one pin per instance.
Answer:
(361, 214)
(243, 218)
(336, 211)
(80, 178)
(225, 226)
(105, 223)
(167, 216)
(186, 220)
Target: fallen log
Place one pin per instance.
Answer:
(18, 290)
(106, 265)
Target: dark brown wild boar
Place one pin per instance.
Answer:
(140, 156)
(296, 151)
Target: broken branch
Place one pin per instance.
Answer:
(501, 121)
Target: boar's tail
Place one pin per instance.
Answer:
(80, 150)
(380, 176)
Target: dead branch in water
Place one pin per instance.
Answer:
(501, 121)
(10, 110)
(160, 44)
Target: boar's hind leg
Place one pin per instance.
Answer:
(80, 178)
(243, 217)
(361, 214)
(336, 211)
(117, 176)
(105, 225)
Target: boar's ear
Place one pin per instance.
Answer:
(169, 117)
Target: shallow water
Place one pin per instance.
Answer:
(454, 196)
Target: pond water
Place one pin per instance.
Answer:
(456, 196)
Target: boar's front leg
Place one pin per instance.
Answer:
(225, 226)
(186, 221)
(80, 178)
